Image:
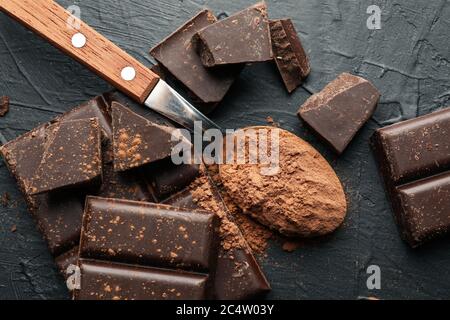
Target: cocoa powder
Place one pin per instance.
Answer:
(204, 196)
(256, 235)
(305, 198)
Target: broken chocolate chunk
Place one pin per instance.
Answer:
(288, 52)
(4, 105)
(241, 38)
(138, 141)
(72, 156)
(339, 111)
(178, 56)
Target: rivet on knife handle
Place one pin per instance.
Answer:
(49, 20)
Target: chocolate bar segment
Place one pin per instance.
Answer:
(72, 156)
(241, 38)
(425, 205)
(340, 110)
(148, 234)
(288, 52)
(414, 159)
(414, 148)
(138, 141)
(178, 56)
(111, 281)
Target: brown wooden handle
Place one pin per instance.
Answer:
(50, 20)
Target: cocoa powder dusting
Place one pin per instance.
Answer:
(305, 198)
(203, 195)
(256, 235)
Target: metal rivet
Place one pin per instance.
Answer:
(128, 73)
(78, 40)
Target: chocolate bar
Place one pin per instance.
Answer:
(241, 38)
(132, 241)
(179, 57)
(288, 52)
(72, 157)
(238, 275)
(340, 110)
(138, 141)
(414, 160)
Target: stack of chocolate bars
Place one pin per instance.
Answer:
(103, 190)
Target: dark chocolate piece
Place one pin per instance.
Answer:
(113, 281)
(165, 178)
(4, 105)
(149, 234)
(415, 148)
(288, 53)
(238, 275)
(179, 57)
(122, 185)
(241, 38)
(72, 156)
(66, 259)
(58, 214)
(340, 110)
(138, 141)
(414, 159)
(127, 243)
(426, 207)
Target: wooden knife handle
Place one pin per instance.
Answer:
(50, 21)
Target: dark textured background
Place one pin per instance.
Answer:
(408, 60)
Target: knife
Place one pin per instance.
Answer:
(49, 20)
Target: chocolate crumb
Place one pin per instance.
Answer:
(4, 105)
(5, 199)
(290, 246)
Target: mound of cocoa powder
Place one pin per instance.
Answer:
(305, 198)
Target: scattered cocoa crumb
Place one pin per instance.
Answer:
(13, 228)
(271, 122)
(4, 105)
(291, 246)
(5, 199)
